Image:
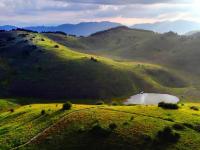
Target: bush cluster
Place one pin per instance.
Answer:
(21, 29)
(100, 103)
(12, 110)
(67, 106)
(112, 126)
(178, 126)
(56, 46)
(93, 59)
(168, 105)
(194, 108)
(99, 131)
(43, 112)
(56, 32)
(167, 135)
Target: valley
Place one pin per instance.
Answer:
(41, 71)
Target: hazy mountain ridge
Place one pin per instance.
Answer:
(81, 29)
(7, 27)
(179, 26)
(88, 28)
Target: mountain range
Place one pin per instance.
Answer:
(88, 28)
(179, 26)
(81, 29)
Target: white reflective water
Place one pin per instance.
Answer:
(151, 99)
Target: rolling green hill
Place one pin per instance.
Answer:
(180, 53)
(35, 66)
(49, 68)
(100, 127)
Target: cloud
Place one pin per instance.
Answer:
(52, 12)
(124, 2)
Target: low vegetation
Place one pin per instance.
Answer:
(168, 105)
(168, 135)
(100, 103)
(67, 105)
(54, 71)
(194, 108)
(109, 127)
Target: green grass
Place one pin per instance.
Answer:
(25, 122)
(6, 104)
(170, 50)
(37, 69)
(137, 127)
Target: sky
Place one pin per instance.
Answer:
(128, 12)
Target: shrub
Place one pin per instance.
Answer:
(167, 135)
(112, 126)
(12, 110)
(67, 106)
(169, 119)
(22, 35)
(188, 125)
(178, 126)
(93, 59)
(194, 108)
(43, 112)
(98, 131)
(168, 105)
(131, 118)
(20, 29)
(125, 123)
(114, 103)
(197, 128)
(117, 103)
(100, 103)
(56, 46)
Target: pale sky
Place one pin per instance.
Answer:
(128, 12)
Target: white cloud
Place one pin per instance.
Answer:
(51, 12)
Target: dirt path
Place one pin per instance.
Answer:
(48, 128)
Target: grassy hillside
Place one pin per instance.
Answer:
(100, 127)
(6, 104)
(25, 122)
(35, 66)
(180, 53)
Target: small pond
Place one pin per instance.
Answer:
(151, 99)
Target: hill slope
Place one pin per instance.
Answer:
(100, 127)
(180, 53)
(35, 66)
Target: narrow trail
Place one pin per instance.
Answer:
(51, 126)
(80, 110)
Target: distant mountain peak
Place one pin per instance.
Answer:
(178, 26)
(7, 27)
(80, 29)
